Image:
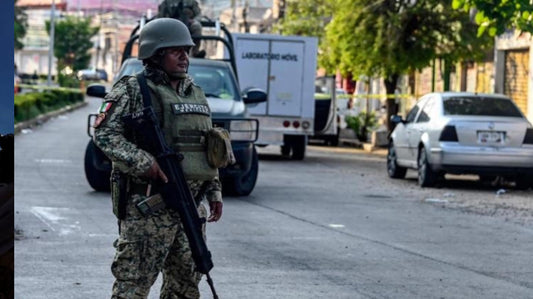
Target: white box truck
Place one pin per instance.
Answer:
(285, 67)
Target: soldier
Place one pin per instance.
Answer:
(149, 244)
(186, 11)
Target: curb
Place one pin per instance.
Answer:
(45, 117)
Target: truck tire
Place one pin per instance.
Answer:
(285, 150)
(244, 185)
(333, 140)
(97, 168)
(298, 145)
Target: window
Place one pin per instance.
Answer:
(426, 112)
(480, 106)
(412, 114)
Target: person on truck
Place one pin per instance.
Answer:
(186, 11)
(154, 243)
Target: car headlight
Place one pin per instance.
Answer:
(244, 130)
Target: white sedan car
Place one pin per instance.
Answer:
(462, 133)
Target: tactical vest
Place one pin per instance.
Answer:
(185, 121)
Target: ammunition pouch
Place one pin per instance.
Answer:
(219, 150)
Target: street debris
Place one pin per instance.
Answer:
(501, 191)
(435, 200)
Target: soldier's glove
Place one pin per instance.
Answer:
(155, 173)
(216, 211)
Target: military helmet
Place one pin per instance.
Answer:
(163, 33)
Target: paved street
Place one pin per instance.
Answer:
(331, 226)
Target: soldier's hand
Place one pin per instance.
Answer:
(216, 211)
(155, 173)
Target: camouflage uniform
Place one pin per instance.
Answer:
(156, 243)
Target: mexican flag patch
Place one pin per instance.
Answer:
(105, 107)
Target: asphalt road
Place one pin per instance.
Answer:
(331, 226)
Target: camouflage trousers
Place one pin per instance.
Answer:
(150, 245)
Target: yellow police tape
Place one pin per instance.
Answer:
(46, 87)
(322, 96)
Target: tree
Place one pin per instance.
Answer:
(72, 42)
(388, 38)
(307, 18)
(21, 22)
(494, 17)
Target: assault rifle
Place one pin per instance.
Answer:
(176, 193)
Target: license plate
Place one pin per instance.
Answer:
(490, 137)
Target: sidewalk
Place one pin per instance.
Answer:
(45, 117)
(345, 149)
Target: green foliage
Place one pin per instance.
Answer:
(21, 22)
(30, 105)
(72, 42)
(68, 81)
(494, 17)
(308, 18)
(386, 38)
(362, 124)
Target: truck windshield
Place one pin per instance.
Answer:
(216, 82)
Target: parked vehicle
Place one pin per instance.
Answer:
(92, 74)
(327, 108)
(285, 67)
(462, 133)
(228, 106)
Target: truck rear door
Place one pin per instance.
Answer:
(276, 66)
(286, 79)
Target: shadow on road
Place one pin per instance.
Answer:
(471, 183)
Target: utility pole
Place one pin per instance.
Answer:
(51, 49)
(233, 16)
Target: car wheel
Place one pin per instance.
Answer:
(394, 171)
(97, 168)
(285, 150)
(489, 180)
(245, 184)
(426, 176)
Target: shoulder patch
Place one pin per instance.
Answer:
(105, 107)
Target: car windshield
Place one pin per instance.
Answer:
(480, 106)
(215, 81)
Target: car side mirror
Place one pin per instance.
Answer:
(396, 119)
(96, 90)
(254, 96)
